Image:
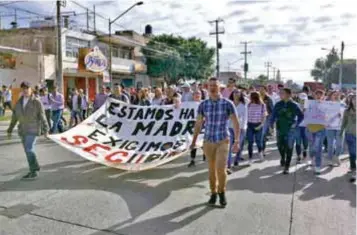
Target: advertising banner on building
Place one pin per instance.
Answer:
(132, 137)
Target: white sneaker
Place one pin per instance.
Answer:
(261, 156)
(317, 170)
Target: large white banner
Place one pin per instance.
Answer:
(133, 137)
(327, 113)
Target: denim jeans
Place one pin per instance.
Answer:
(28, 142)
(56, 119)
(334, 143)
(241, 145)
(316, 140)
(2, 111)
(301, 139)
(76, 117)
(285, 143)
(252, 135)
(351, 144)
(265, 131)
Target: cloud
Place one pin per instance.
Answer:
(300, 19)
(252, 2)
(175, 5)
(249, 20)
(250, 29)
(236, 13)
(323, 19)
(348, 16)
(287, 8)
(326, 6)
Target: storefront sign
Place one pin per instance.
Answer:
(131, 137)
(95, 61)
(106, 76)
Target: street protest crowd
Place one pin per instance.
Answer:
(232, 116)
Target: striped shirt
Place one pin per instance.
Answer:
(256, 113)
(216, 114)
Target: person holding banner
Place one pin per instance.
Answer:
(238, 99)
(316, 134)
(29, 112)
(215, 113)
(196, 98)
(334, 140)
(349, 128)
(119, 95)
(285, 113)
(100, 99)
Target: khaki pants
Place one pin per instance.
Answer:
(217, 154)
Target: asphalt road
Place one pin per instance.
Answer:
(75, 196)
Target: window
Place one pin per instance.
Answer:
(73, 44)
(121, 53)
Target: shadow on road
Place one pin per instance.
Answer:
(270, 180)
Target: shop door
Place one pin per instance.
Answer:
(81, 83)
(92, 84)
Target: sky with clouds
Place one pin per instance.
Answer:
(290, 34)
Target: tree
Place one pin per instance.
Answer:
(348, 75)
(323, 64)
(175, 57)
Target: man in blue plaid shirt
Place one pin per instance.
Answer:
(215, 113)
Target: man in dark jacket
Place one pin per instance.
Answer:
(285, 113)
(30, 114)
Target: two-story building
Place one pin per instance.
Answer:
(38, 45)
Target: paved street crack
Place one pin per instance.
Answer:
(292, 201)
(75, 224)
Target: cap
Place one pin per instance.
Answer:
(186, 85)
(25, 84)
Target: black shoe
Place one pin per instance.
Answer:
(222, 199)
(286, 171)
(192, 163)
(229, 171)
(204, 158)
(235, 164)
(30, 176)
(304, 154)
(213, 199)
(298, 161)
(282, 163)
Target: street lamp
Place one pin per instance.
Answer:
(110, 22)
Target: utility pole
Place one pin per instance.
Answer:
(59, 77)
(87, 19)
(274, 78)
(268, 65)
(245, 53)
(94, 23)
(218, 43)
(341, 64)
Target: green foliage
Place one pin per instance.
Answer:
(174, 57)
(323, 64)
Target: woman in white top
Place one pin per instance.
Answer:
(334, 139)
(237, 97)
(158, 97)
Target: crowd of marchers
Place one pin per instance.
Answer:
(262, 114)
